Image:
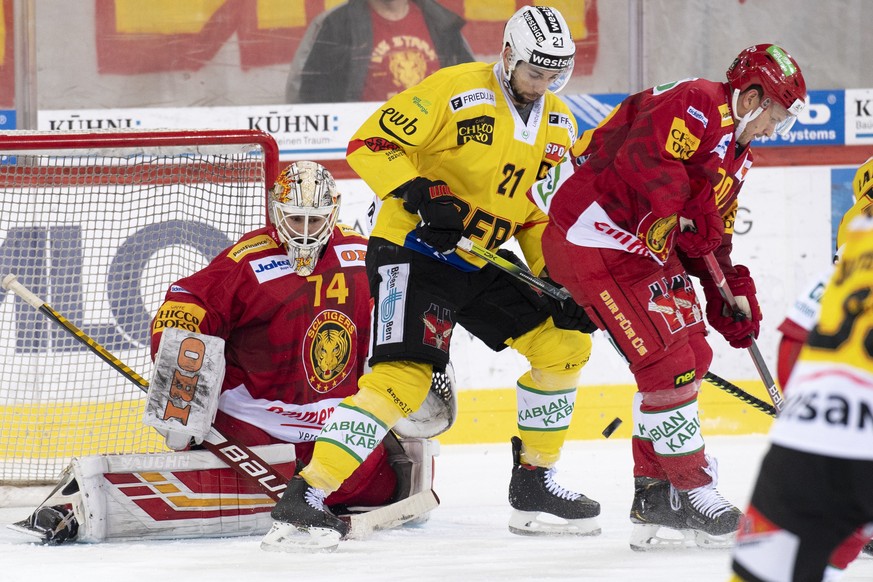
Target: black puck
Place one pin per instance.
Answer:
(610, 428)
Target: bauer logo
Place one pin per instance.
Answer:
(471, 98)
(269, 268)
(479, 129)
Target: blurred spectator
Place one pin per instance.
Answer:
(370, 50)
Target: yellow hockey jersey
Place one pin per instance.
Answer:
(829, 404)
(459, 126)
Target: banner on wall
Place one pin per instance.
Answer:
(859, 116)
(322, 131)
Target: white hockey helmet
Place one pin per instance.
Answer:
(539, 36)
(304, 206)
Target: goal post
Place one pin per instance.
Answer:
(99, 224)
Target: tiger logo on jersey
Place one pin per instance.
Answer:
(658, 234)
(328, 350)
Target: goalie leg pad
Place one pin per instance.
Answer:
(190, 494)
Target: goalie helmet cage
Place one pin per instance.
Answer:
(99, 224)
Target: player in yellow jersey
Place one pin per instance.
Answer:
(813, 490)
(455, 156)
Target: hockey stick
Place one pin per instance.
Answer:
(735, 390)
(718, 276)
(233, 453)
(236, 455)
(513, 269)
(562, 294)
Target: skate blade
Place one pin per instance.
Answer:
(24, 527)
(711, 542)
(537, 523)
(647, 537)
(284, 537)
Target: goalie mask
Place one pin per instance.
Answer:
(539, 36)
(304, 205)
(777, 73)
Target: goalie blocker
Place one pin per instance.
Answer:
(193, 494)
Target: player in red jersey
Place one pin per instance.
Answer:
(655, 189)
(291, 301)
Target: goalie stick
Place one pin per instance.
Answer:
(236, 455)
(562, 294)
(766, 377)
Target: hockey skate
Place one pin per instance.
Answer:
(700, 515)
(542, 507)
(658, 518)
(53, 525)
(302, 523)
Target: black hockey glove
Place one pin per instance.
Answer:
(441, 224)
(568, 314)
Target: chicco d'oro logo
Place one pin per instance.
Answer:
(479, 129)
(328, 350)
(394, 123)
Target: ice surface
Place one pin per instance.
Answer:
(466, 538)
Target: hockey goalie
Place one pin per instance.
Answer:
(261, 344)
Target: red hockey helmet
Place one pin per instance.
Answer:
(776, 72)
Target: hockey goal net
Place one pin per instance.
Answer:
(99, 225)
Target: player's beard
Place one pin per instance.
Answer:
(523, 99)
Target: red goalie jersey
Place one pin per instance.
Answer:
(295, 346)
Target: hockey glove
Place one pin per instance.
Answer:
(705, 235)
(441, 224)
(568, 314)
(738, 331)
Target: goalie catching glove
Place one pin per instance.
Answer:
(737, 329)
(441, 223)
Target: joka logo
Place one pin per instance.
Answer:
(479, 129)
